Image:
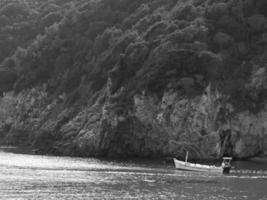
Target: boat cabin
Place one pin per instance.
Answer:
(226, 164)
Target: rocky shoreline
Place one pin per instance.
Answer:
(154, 128)
(135, 78)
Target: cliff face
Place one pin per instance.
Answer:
(142, 78)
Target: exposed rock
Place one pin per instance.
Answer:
(251, 131)
(211, 145)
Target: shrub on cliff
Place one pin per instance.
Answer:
(106, 40)
(51, 18)
(15, 10)
(185, 11)
(4, 20)
(216, 10)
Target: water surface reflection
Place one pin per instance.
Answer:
(47, 177)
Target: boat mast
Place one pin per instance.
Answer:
(186, 157)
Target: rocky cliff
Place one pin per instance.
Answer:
(138, 78)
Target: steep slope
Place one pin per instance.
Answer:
(141, 78)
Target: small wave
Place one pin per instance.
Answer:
(247, 177)
(260, 172)
(248, 174)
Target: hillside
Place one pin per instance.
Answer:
(135, 78)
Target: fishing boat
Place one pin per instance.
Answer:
(187, 166)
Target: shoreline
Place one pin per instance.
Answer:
(23, 149)
(17, 149)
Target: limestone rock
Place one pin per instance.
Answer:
(251, 133)
(247, 147)
(211, 146)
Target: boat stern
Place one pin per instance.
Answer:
(226, 170)
(226, 165)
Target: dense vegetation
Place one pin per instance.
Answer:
(79, 70)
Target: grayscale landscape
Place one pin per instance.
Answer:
(97, 97)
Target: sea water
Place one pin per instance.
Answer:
(35, 177)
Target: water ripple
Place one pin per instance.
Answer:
(34, 177)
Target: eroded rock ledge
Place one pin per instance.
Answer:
(148, 126)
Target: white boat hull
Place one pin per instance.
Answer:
(196, 167)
